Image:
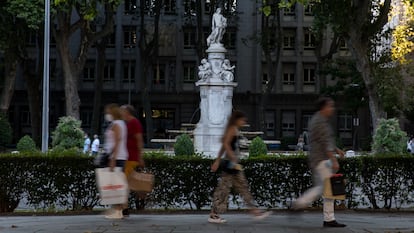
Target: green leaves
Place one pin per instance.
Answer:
(389, 138)
(68, 133)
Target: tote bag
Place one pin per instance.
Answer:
(112, 186)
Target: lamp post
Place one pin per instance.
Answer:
(45, 112)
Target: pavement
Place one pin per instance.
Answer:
(367, 222)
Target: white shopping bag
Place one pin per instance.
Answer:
(112, 186)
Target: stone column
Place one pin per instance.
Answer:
(216, 106)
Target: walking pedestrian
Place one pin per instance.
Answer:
(115, 146)
(232, 174)
(135, 142)
(95, 145)
(86, 144)
(322, 160)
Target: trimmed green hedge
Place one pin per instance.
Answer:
(68, 180)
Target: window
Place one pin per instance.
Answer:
(149, 7)
(169, 6)
(288, 123)
(89, 72)
(229, 39)
(163, 119)
(309, 75)
(308, 11)
(230, 7)
(129, 71)
(265, 79)
(343, 45)
(189, 38)
(289, 11)
(190, 7)
(289, 74)
(109, 72)
(289, 39)
(189, 72)
(159, 74)
(309, 40)
(130, 37)
(345, 122)
(86, 117)
(130, 6)
(306, 117)
(207, 7)
(270, 123)
(288, 79)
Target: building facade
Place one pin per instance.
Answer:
(175, 98)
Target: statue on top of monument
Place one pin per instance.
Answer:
(218, 28)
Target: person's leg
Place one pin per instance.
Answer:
(319, 173)
(242, 187)
(221, 194)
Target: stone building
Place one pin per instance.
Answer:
(174, 97)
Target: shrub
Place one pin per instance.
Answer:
(184, 146)
(5, 132)
(389, 138)
(68, 133)
(26, 143)
(257, 147)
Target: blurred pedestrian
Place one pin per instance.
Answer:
(115, 146)
(322, 160)
(86, 144)
(135, 142)
(95, 145)
(232, 172)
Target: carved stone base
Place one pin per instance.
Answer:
(216, 107)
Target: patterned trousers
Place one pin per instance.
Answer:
(221, 194)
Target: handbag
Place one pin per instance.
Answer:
(141, 181)
(112, 186)
(102, 160)
(226, 166)
(334, 187)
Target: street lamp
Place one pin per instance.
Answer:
(45, 114)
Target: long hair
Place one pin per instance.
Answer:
(235, 116)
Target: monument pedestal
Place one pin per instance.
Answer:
(216, 107)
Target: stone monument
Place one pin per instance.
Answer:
(216, 90)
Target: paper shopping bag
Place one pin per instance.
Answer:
(334, 187)
(112, 186)
(141, 182)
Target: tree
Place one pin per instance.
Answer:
(147, 57)
(358, 22)
(67, 25)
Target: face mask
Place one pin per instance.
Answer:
(109, 117)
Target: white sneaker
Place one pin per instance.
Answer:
(262, 215)
(117, 214)
(216, 219)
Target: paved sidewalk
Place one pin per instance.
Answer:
(196, 223)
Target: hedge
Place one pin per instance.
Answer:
(67, 180)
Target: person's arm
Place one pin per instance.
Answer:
(322, 129)
(117, 135)
(140, 143)
(216, 163)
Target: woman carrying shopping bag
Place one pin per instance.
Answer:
(115, 146)
(232, 172)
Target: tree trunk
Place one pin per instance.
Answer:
(271, 69)
(70, 75)
(97, 99)
(33, 95)
(359, 51)
(9, 84)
